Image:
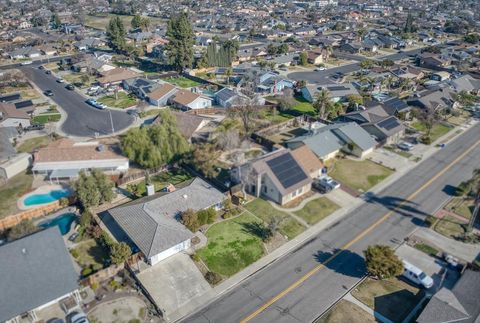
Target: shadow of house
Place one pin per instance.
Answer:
(343, 262)
(397, 305)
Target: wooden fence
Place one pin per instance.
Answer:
(102, 275)
(37, 212)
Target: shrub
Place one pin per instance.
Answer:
(94, 286)
(195, 257)
(382, 262)
(190, 220)
(74, 253)
(96, 267)
(86, 271)
(227, 215)
(86, 219)
(426, 140)
(106, 240)
(213, 278)
(119, 252)
(64, 201)
(206, 216)
(114, 284)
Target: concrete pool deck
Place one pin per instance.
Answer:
(45, 189)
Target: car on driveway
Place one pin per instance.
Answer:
(60, 81)
(416, 275)
(405, 146)
(95, 104)
(321, 186)
(328, 181)
(70, 87)
(48, 72)
(36, 126)
(48, 92)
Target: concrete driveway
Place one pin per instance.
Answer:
(82, 120)
(176, 285)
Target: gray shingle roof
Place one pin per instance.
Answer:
(151, 222)
(34, 270)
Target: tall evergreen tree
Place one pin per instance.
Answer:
(136, 21)
(116, 34)
(181, 40)
(55, 20)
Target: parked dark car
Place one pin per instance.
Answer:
(321, 186)
(32, 127)
(73, 236)
(48, 72)
(48, 93)
(41, 67)
(70, 87)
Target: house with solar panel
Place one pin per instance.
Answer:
(338, 92)
(278, 176)
(385, 128)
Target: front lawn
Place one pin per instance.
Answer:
(429, 250)
(450, 227)
(262, 209)
(360, 175)
(438, 129)
(317, 210)
(232, 245)
(345, 311)
(45, 118)
(124, 100)
(182, 81)
(303, 106)
(398, 151)
(11, 191)
(79, 80)
(461, 206)
(32, 144)
(392, 298)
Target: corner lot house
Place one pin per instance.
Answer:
(278, 176)
(37, 272)
(151, 223)
(65, 158)
(327, 141)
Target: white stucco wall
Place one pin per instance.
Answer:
(170, 252)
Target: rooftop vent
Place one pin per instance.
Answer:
(185, 196)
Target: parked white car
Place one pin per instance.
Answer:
(416, 275)
(327, 180)
(405, 146)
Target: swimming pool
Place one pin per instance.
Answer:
(64, 222)
(36, 199)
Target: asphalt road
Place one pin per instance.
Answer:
(407, 202)
(323, 77)
(82, 119)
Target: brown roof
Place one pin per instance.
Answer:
(187, 123)
(117, 75)
(161, 91)
(307, 159)
(10, 111)
(185, 97)
(68, 150)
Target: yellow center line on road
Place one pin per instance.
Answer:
(356, 239)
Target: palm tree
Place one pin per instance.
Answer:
(321, 103)
(476, 189)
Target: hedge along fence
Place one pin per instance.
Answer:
(102, 275)
(37, 212)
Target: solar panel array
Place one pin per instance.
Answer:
(287, 170)
(337, 88)
(389, 123)
(8, 98)
(23, 104)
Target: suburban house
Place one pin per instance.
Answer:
(187, 123)
(351, 48)
(327, 141)
(394, 106)
(458, 304)
(152, 225)
(11, 163)
(25, 52)
(408, 72)
(308, 160)
(141, 87)
(466, 83)
(37, 273)
(317, 56)
(228, 98)
(187, 100)
(278, 176)
(161, 94)
(385, 128)
(438, 99)
(273, 83)
(65, 158)
(10, 116)
(116, 76)
(89, 43)
(92, 65)
(338, 92)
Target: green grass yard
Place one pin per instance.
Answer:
(262, 209)
(182, 81)
(30, 145)
(393, 298)
(231, 246)
(461, 206)
(360, 175)
(317, 210)
(303, 106)
(100, 21)
(124, 100)
(438, 129)
(91, 254)
(45, 118)
(429, 250)
(14, 188)
(450, 227)
(161, 180)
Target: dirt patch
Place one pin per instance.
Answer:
(126, 309)
(296, 202)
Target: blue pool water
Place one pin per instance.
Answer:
(64, 222)
(36, 199)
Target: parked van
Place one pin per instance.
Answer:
(416, 275)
